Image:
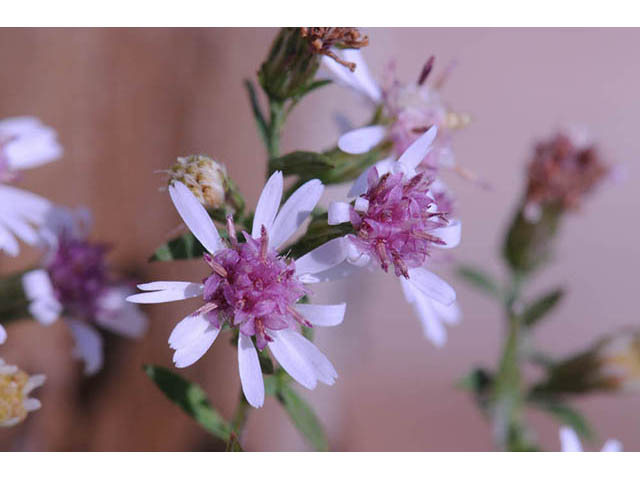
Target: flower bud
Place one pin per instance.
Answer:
(293, 59)
(15, 386)
(207, 180)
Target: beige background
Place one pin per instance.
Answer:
(127, 102)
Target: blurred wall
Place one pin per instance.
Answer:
(126, 102)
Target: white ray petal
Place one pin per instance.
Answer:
(88, 345)
(323, 315)
(268, 204)
(294, 363)
(8, 243)
(612, 445)
(432, 325)
(569, 441)
(339, 212)
(3, 335)
(323, 257)
(166, 292)
(432, 286)
(416, 152)
(322, 367)
(192, 352)
(361, 140)
(450, 234)
(187, 331)
(195, 216)
(120, 316)
(250, 372)
(449, 314)
(294, 212)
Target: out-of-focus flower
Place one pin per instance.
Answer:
(253, 289)
(3, 335)
(15, 387)
(406, 112)
(397, 221)
(569, 442)
(564, 169)
(294, 58)
(24, 143)
(75, 282)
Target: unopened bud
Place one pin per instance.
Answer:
(206, 178)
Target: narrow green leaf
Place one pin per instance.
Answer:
(566, 415)
(191, 398)
(257, 112)
(479, 279)
(300, 162)
(184, 247)
(543, 305)
(302, 416)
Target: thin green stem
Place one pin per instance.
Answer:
(274, 131)
(239, 420)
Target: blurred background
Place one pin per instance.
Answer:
(127, 102)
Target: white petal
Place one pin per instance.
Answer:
(416, 152)
(195, 216)
(34, 382)
(337, 272)
(360, 80)
(294, 212)
(612, 445)
(45, 311)
(323, 315)
(361, 204)
(187, 331)
(37, 284)
(3, 335)
(361, 140)
(88, 346)
(449, 314)
(18, 226)
(360, 186)
(309, 353)
(289, 358)
(250, 372)
(432, 326)
(569, 441)
(432, 286)
(33, 150)
(31, 404)
(8, 243)
(268, 204)
(339, 212)
(120, 316)
(450, 234)
(31, 206)
(166, 292)
(192, 352)
(322, 258)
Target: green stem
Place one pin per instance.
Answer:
(274, 130)
(13, 303)
(239, 420)
(508, 425)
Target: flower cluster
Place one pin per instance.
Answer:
(15, 387)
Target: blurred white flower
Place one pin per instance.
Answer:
(24, 143)
(15, 387)
(76, 283)
(569, 442)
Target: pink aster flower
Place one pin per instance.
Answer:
(569, 442)
(254, 290)
(398, 222)
(75, 282)
(24, 143)
(410, 109)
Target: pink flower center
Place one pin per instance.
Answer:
(252, 288)
(398, 222)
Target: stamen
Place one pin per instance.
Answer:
(215, 266)
(298, 317)
(231, 229)
(426, 70)
(264, 244)
(206, 308)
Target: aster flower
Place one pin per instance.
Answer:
(569, 442)
(24, 143)
(398, 222)
(15, 387)
(254, 290)
(75, 283)
(408, 110)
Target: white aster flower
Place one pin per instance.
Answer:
(75, 283)
(570, 442)
(24, 143)
(254, 290)
(398, 221)
(15, 387)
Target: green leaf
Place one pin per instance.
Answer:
(539, 308)
(479, 279)
(191, 398)
(184, 247)
(310, 87)
(302, 416)
(301, 163)
(566, 415)
(257, 112)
